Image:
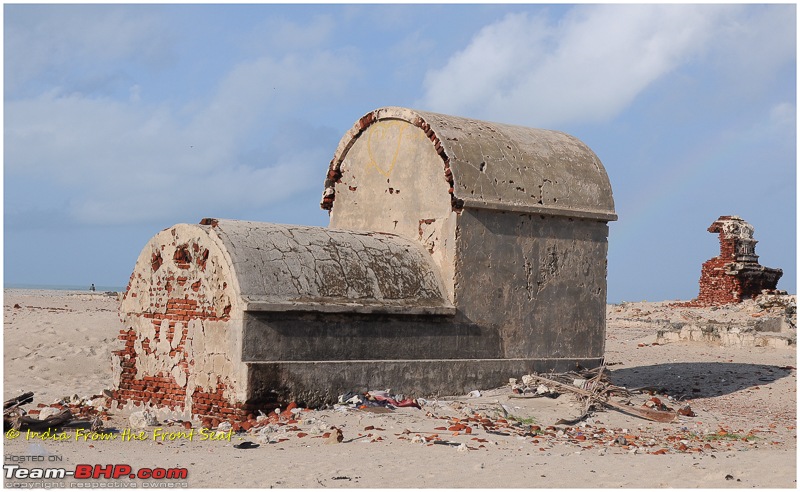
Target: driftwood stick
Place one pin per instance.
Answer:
(13, 403)
(15, 417)
(57, 420)
(645, 413)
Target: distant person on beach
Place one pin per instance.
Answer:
(92, 288)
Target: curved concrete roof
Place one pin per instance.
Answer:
(289, 268)
(501, 167)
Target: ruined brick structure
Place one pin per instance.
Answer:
(176, 313)
(735, 274)
(459, 252)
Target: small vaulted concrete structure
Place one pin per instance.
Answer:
(459, 253)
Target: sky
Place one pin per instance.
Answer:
(123, 120)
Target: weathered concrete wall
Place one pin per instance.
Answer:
(485, 164)
(271, 336)
(412, 172)
(392, 180)
(530, 170)
(514, 217)
(318, 382)
(540, 280)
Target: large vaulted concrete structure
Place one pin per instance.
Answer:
(459, 253)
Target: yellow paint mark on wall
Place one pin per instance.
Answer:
(379, 133)
(389, 135)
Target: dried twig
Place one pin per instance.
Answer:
(592, 396)
(15, 402)
(27, 422)
(16, 417)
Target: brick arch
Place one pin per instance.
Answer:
(381, 114)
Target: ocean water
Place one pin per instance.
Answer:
(98, 288)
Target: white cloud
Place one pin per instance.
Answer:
(279, 32)
(783, 115)
(753, 43)
(47, 41)
(586, 68)
(124, 161)
(277, 84)
(489, 68)
(220, 192)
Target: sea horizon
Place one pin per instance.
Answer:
(86, 288)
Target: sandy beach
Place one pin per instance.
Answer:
(58, 344)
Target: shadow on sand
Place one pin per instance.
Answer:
(698, 379)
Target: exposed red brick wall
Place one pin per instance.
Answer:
(177, 301)
(215, 405)
(717, 287)
(160, 390)
(735, 274)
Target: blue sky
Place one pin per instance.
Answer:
(122, 120)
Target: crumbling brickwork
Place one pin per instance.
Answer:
(735, 274)
(175, 350)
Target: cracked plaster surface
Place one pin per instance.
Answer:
(296, 263)
(212, 343)
(506, 164)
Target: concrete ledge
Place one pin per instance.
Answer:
(540, 210)
(318, 383)
(350, 307)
